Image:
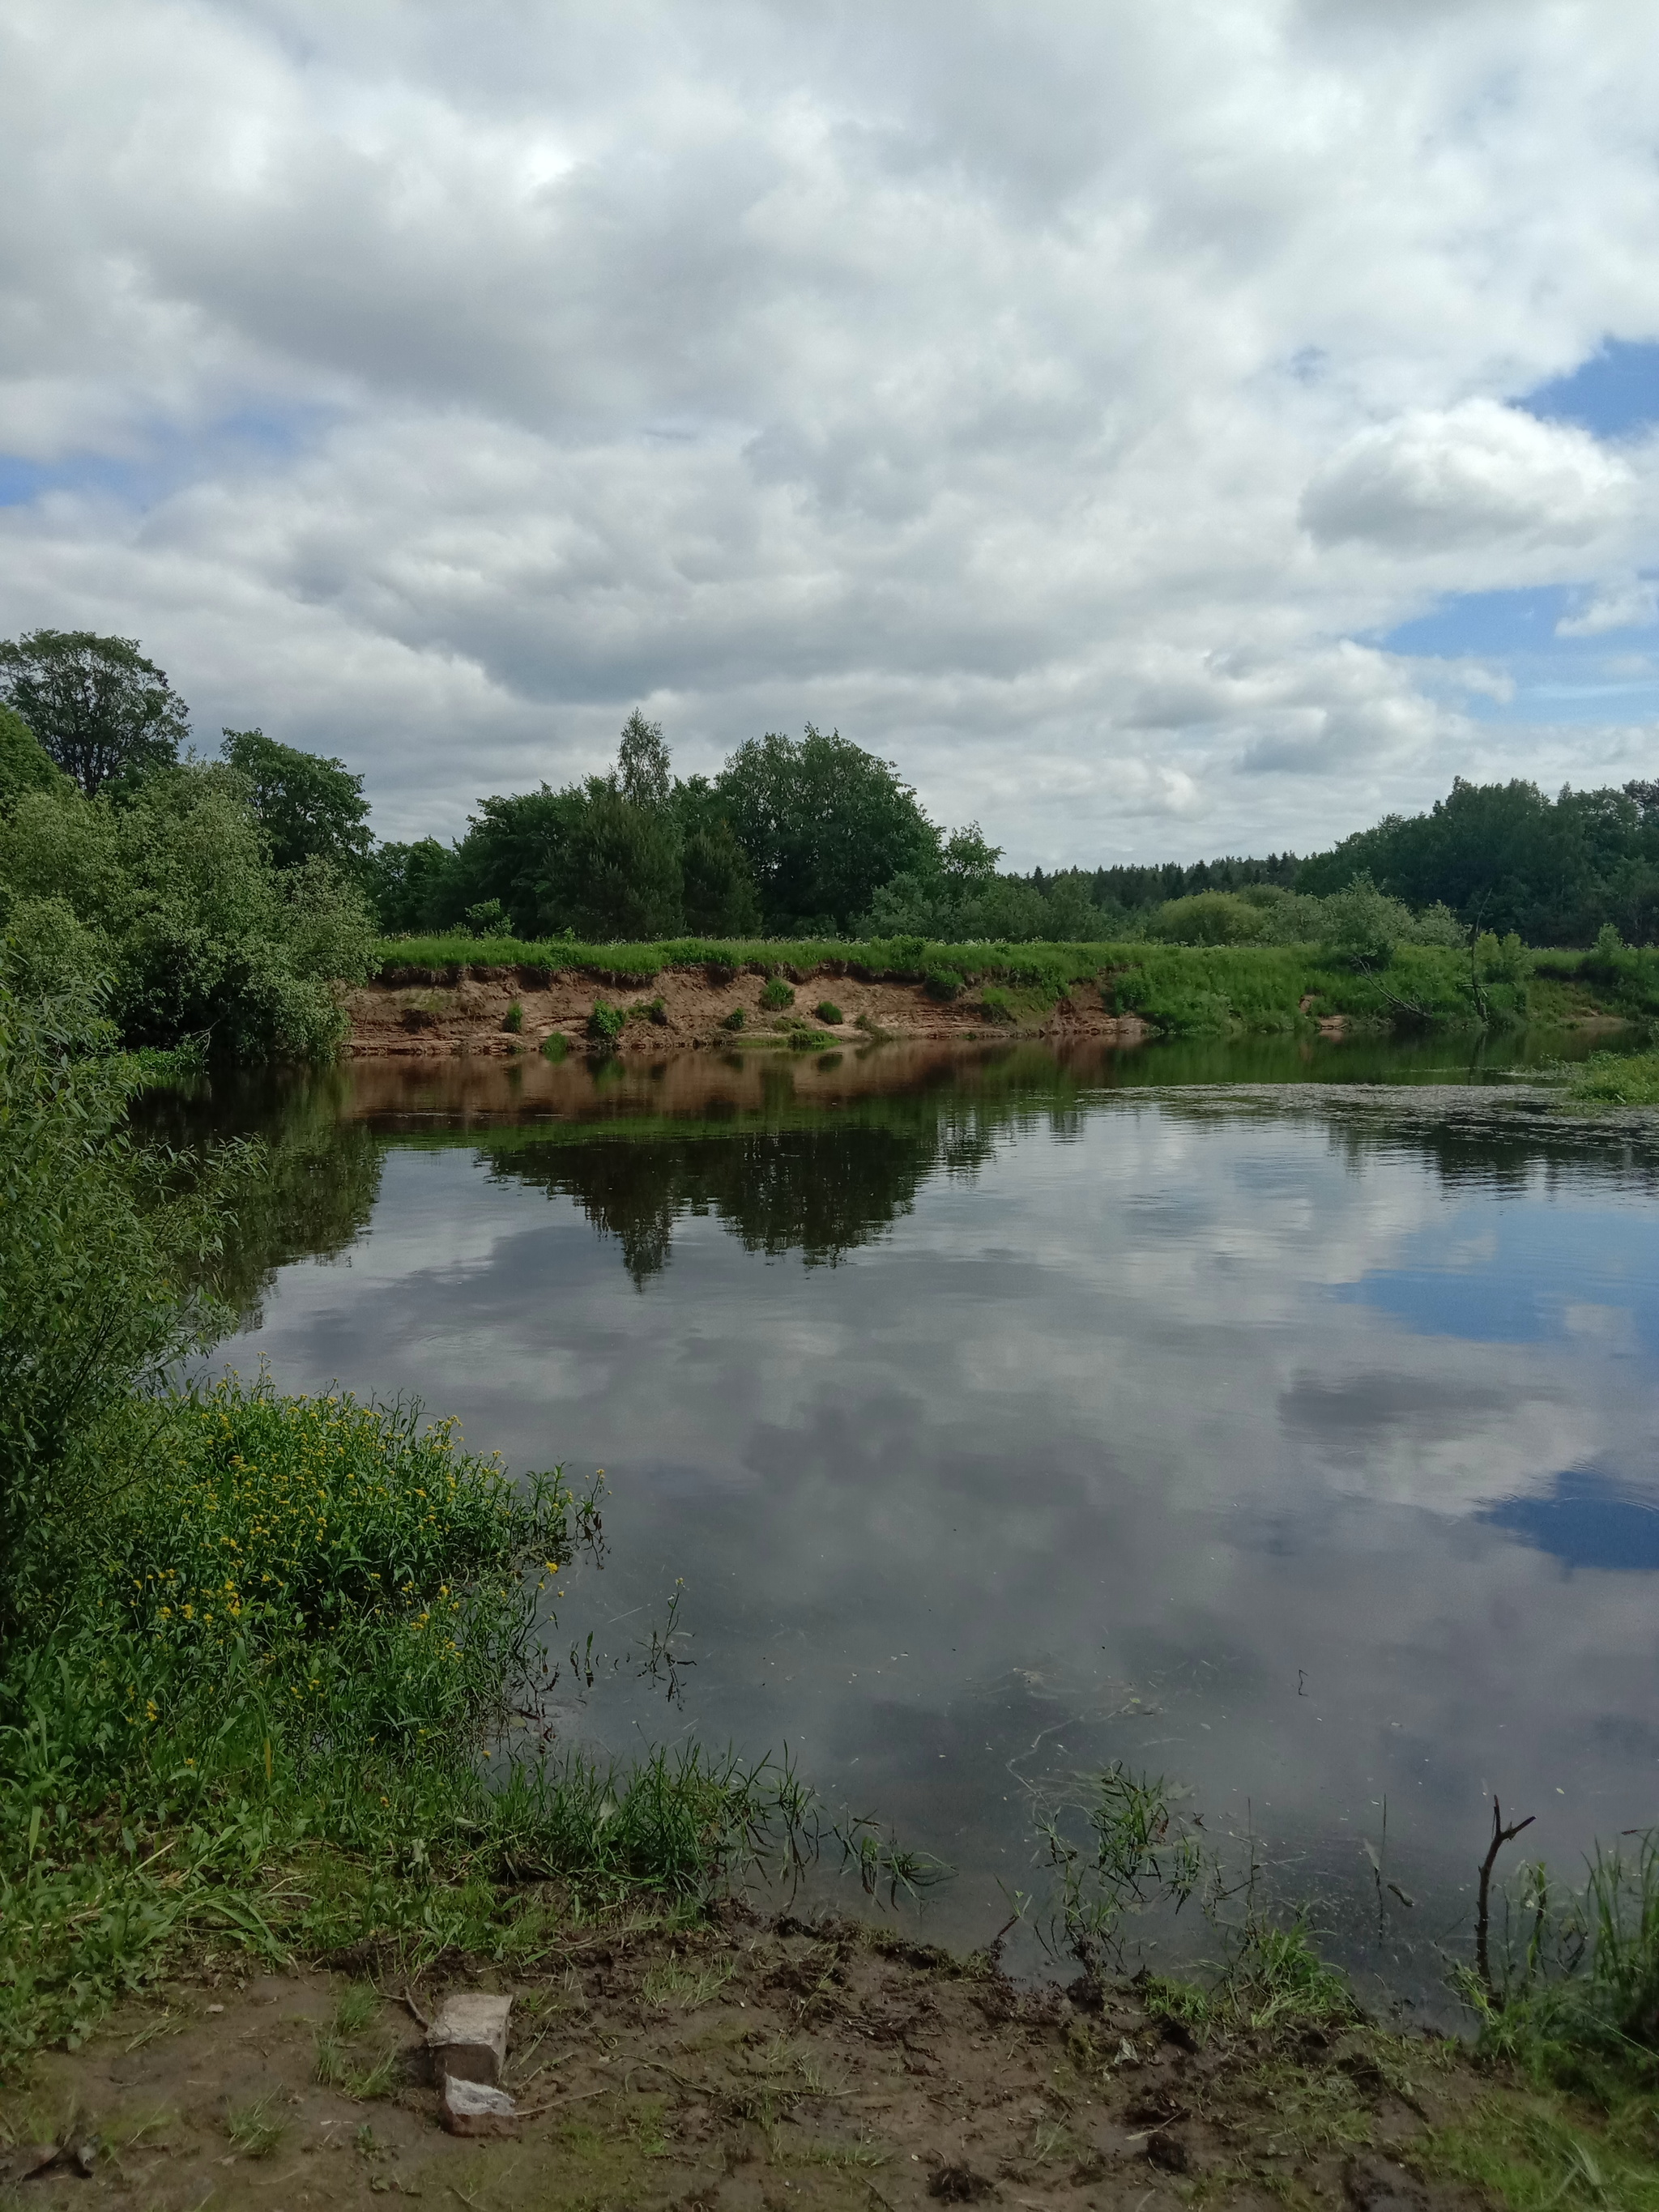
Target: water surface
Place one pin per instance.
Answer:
(998, 1413)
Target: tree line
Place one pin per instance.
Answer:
(807, 837)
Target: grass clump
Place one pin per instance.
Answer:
(255, 2130)
(1607, 1079)
(555, 1046)
(827, 1010)
(775, 994)
(944, 984)
(513, 1019)
(734, 1020)
(605, 1023)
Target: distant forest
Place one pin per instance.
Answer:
(101, 801)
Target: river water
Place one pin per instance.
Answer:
(1278, 1418)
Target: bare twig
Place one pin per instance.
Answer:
(1500, 1836)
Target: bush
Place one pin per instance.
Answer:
(606, 1024)
(776, 994)
(734, 1020)
(1208, 918)
(555, 1046)
(513, 1019)
(489, 918)
(944, 983)
(827, 1010)
(996, 1006)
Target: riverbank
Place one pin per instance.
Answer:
(438, 996)
(742, 2062)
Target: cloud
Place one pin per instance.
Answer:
(1471, 476)
(1053, 408)
(1633, 604)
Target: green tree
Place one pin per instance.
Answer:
(25, 764)
(310, 807)
(613, 870)
(718, 885)
(93, 1304)
(642, 772)
(824, 824)
(410, 885)
(198, 934)
(103, 713)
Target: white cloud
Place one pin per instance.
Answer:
(435, 384)
(1631, 605)
(1475, 476)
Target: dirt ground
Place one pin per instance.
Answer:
(414, 1017)
(750, 2065)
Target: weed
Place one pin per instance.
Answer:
(734, 1020)
(605, 1023)
(944, 983)
(775, 994)
(513, 1019)
(255, 2130)
(827, 1010)
(555, 1045)
(686, 1987)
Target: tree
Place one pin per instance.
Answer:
(25, 764)
(824, 824)
(613, 870)
(409, 885)
(643, 773)
(718, 886)
(104, 713)
(310, 807)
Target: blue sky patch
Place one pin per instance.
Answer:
(1590, 1519)
(1614, 392)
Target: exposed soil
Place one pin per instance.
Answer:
(741, 2066)
(423, 1014)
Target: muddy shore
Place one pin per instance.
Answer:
(745, 2064)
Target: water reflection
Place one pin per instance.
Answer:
(1001, 1417)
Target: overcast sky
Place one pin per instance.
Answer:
(1162, 430)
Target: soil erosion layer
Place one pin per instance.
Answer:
(506, 1010)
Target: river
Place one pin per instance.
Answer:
(1277, 1417)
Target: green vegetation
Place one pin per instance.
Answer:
(261, 1654)
(775, 994)
(734, 1020)
(606, 1023)
(1608, 1079)
(827, 1010)
(104, 715)
(513, 1019)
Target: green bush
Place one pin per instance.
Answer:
(170, 899)
(944, 983)
(555, 1046)
(1608, 1079)
(1208, 918)
(606, 1023)
(827, 1010)
(734, 1020)
(513, 1019)
(995, 1006)
(776, 994)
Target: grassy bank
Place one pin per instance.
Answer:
(1192, 990)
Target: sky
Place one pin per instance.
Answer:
(1162, 431)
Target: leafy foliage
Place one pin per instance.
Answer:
(311, 808)
(101, 711)
(168, 903)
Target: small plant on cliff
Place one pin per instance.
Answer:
(513, 1019)
(734, 1020)
(777, 994)
(944, 983)
(555, 1047)
(827, 1010)
(996, 1006)
(605, 1023)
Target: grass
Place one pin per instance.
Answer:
(1192, 990)
(272, 1717)
(1607, 1079)
(255, 2130)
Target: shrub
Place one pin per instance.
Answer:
(656, 1012)
(996, 1006)
(1208, 918)
(734, 1020)
(555, 1046)
(827, 1010)
(944, 983)
(605, 1023)
(513, 1019)
(490, 918)
(805, 1040)
(775, 994)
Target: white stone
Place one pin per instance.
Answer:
(467, 2039)
(473, 2108)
